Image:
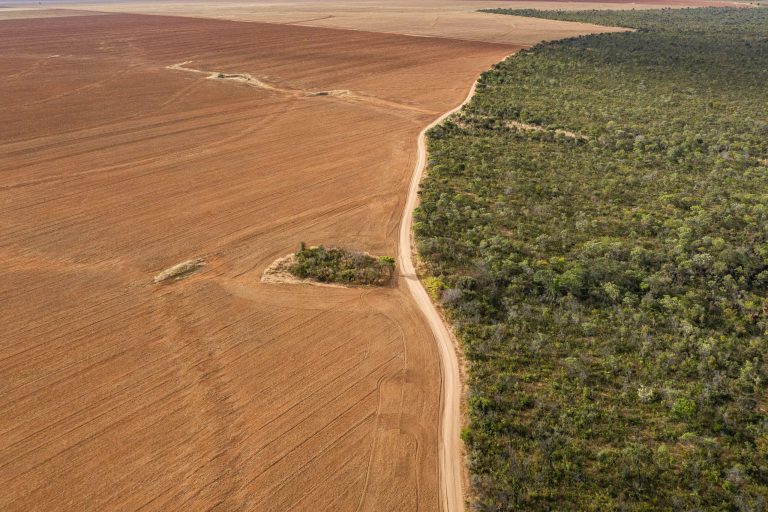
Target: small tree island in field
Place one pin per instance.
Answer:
(342, 266)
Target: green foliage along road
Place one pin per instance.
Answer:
(611, 289)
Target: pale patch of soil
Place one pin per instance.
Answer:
(537, 128)
(530, 128)
(20, 13)
(180, 270)
(250, 80)
(244, 78)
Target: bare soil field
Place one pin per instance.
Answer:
(457, 19)
(216, 391)
(16, 13)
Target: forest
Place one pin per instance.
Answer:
(610, 289)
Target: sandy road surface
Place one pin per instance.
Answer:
(451, 458)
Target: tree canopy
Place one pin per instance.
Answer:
(610, 289)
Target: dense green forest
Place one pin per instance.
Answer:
(611, 289)
(337, 265)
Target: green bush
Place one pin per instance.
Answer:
(334, 265)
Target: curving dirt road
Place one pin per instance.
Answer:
(451, 462)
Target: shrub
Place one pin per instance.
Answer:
(335, 265)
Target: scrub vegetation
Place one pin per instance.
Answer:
(610, 289)
(335, 265)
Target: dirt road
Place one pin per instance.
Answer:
(451, 461)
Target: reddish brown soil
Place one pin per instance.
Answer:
(38, 12)
(218, 391)
(454, 19)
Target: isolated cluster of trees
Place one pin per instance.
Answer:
(611, 290)
(336, 265)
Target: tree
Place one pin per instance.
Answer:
(388, 262)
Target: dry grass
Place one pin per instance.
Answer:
(180, 271)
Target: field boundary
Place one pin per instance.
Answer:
(450, 453)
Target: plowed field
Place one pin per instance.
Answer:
(218, 391)
(456, 19)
